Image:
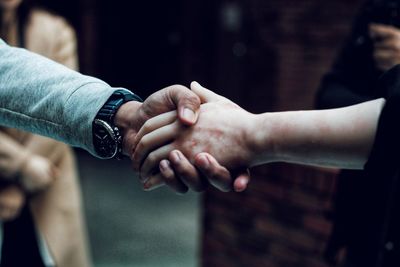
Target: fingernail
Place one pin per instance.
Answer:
(149, 186)
(146, 187)
(188, 114)
(240, 186)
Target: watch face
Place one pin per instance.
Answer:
(104, 139)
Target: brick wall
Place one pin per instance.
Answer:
(285, 46)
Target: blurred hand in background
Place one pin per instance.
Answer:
(386, 41)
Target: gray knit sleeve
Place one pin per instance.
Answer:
(46, 98)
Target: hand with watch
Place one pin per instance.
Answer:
(121, 117)
(107, 137)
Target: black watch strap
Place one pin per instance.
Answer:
(119, 97)
(107, 138)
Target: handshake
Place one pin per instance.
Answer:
(188, 139)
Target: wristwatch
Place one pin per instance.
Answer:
(107, 138)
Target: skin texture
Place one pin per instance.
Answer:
(132, 115)
(386, 40)
(200, 141)
(340, 138)
(185, 104)
(237, 139)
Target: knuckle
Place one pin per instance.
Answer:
(144, 142)
(191, 99)
(187, 97)
(139, 148)
(145, 128)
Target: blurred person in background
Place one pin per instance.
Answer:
(40, 202)
(366, 211)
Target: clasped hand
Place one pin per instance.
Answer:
(212, 151)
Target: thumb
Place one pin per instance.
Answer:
(186, 102)
(205, 94)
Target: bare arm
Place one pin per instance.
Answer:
(333, 138)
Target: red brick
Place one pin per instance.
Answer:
(278, 221)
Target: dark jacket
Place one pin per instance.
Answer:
(366, 203)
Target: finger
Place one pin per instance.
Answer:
(382, 55)
(152, 161)
(216, 174)
(186, 172)
(153, 183)
(186, 102)
(382, 31)
(167, 177)
(241, 181)
(152, 141)
(153, 124)
(383, 59)
(205, 94)
(388, 44)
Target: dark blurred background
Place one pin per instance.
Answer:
(264, 55)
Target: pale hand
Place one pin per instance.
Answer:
(37, 174)
(386, 41)
(222, 130)
(12, 199)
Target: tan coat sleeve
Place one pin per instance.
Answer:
(13, 156)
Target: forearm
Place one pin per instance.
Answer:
(41, 96)
(332, 138)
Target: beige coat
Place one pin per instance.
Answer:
(57, 212)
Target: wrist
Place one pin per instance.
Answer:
(126, 116)
(263, 138)
(114, 117)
